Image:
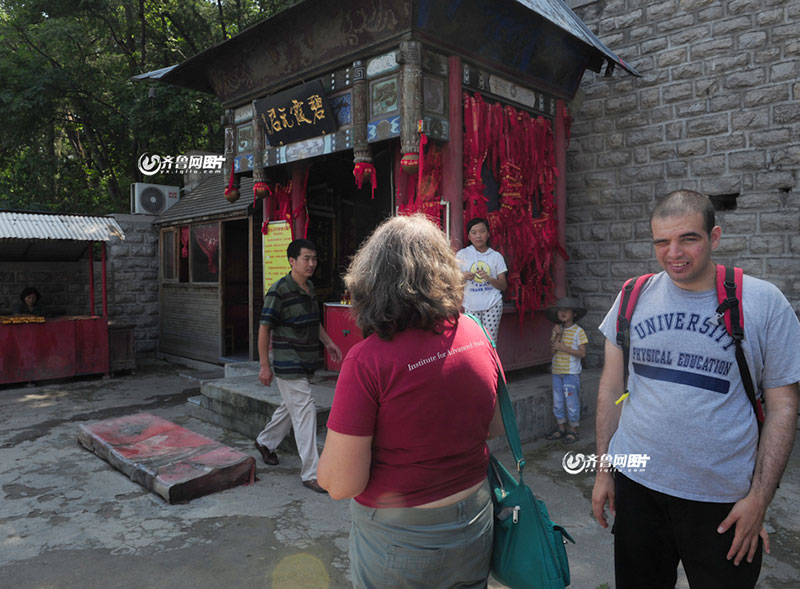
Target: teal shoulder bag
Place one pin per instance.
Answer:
(528, 549)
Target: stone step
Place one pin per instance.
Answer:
(243, 404)
(165, 458)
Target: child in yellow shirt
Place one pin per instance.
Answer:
(568, 341)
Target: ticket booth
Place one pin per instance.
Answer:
(38, 250)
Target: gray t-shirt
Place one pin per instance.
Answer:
(688, 410)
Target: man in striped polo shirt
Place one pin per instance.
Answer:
(290, 320)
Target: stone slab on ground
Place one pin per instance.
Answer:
(165, 458)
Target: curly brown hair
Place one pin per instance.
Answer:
(405, 276)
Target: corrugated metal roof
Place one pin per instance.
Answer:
(207, 200)
(20, 225)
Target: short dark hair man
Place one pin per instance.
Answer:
(702, 494)
(290, 320)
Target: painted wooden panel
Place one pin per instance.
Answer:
(190, 321)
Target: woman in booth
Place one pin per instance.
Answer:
(29, 302)
(414, 405)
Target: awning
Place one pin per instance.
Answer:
(41, 236)
(21, 225)
(562, 16)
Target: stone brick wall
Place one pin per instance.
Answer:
(133, 280)
(717, 109)
(64, 286)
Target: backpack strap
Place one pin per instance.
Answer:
(731, 314)
(627, 303)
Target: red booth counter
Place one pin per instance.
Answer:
(342, 329)
(56, 348)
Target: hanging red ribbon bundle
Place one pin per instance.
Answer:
(424, 190)
(519, 151)
(363, 171)
(231, 192)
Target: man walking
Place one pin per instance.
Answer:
(290, 320)
(702, 495)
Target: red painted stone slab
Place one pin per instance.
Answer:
(170, 460)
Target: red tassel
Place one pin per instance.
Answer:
(231, 193)
(364, 170)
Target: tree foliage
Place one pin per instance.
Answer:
(74, 122)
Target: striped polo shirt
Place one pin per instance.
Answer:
(293, 317)
(563, 363)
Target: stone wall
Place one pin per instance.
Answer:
(133, 280)
(64, 286)
(716, 109)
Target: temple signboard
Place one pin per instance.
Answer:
(295, 114)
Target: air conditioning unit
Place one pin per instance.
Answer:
(152, 199)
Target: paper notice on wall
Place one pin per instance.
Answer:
(275, 242)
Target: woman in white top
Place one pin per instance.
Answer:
(485, 272)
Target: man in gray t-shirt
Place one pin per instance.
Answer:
(702, 493)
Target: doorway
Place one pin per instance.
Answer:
(235, 290)
(342, 216)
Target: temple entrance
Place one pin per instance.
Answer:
(342, 216)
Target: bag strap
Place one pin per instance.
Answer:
(506, 407)
(628, 297)
(731, 314)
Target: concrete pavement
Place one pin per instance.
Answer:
(68, 519)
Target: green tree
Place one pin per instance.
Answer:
(74, 122)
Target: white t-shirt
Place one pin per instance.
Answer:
(478, 294)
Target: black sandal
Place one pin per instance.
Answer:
(571, 437)
(555, 435)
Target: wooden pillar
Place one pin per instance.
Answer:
(230, 150)
(299, 209)
(91, 278)
(410, 95)
(105, 280)
(361, 150)
(259, 173)
(452, 155)
(560, 139)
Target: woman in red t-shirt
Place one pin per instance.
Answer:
(414, 405)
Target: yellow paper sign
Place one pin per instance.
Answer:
(275, 242)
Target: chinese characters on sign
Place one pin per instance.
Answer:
(149, 165)
(296, 114)
(275, 242)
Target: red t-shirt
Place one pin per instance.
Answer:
(427, 400)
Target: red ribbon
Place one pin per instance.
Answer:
(230, 180)
(362, 169)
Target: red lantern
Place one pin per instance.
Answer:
(410, 163)
(261, 189)
(232, 194)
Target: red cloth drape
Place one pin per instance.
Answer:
(207, 237)
(184, 242)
